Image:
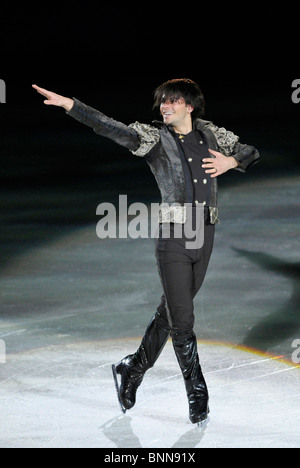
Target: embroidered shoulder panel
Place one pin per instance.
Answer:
(148, 137)
(225, 139)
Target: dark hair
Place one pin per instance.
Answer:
(187, 89)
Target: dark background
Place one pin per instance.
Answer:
(112, 56)
(55, 171)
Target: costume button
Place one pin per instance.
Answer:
(195, 181)
(190, 159)
(204, 203)
(201, 142)
(196, 202)
(205, 181)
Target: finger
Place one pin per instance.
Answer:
(208, 160)
(38, 88)
(211, 171)
(215, 173)
(213, 152)
(42, 91)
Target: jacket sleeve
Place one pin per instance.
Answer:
(229, 145)
(105, 126)
(245, 155)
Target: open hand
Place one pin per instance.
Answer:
(219, 164)
(55, 99)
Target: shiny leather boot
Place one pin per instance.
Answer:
(133, 367)
(185, 347)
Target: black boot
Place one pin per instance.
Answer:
(133, 368)
(185, 347)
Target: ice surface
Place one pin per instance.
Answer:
(71, 305)
(64, 396)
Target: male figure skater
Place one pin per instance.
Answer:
(186, 155)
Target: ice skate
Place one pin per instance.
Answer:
(203, 424)
(131, 376)
(131, 370)
(114, 371)
(185, 347)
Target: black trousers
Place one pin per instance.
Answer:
(182, 272)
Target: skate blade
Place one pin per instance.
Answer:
(202, 424)
(114, 371)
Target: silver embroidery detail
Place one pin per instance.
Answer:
(148, 136)
(172, 213)
(214, 215)
(178, 214)
(225, 139)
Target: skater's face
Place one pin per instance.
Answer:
(175, 110)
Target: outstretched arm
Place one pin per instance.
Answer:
(55, 99)
(105, 126)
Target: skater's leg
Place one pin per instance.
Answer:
(182, 273)
(132, 369)
(185, 347)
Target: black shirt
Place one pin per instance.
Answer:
(195, 148)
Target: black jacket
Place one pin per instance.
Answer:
(156, 143)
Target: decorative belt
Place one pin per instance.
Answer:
(178, 213)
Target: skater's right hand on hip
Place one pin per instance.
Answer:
(55, 99)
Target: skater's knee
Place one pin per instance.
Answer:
(162, 321)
